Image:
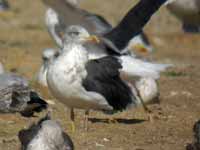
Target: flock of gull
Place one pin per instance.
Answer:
(93, 68)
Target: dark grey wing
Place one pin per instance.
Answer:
(103, 77)
(101, 24)
(133, 23)
(72, 15)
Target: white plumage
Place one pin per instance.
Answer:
(65, 77)
(148, 89)
(1, 68)
(137, 67)
(52, 20)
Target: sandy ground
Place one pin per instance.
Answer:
(23, 36)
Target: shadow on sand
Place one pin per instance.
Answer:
(117, 120)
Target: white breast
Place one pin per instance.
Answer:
(64, 78)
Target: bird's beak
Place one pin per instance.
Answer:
(139, 48)
(92, 38)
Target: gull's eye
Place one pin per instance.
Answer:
(74, 33)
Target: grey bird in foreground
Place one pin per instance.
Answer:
(187, 11)
(17, 96)
(113, 40)
(47, 134)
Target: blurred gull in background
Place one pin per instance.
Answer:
(17, 96)
(187, 11)
(48, 56)
(70, 14)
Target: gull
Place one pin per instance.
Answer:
(48, 56)
(188, 12)
(103, 84)
(17, 96)
(56, 27)
(47, 134)
(114, 40)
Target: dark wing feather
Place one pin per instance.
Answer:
(72, 15)
(103, 77)
(36, 104)
(133, 23)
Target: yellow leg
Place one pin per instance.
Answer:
(72, 117)
(86, 120)
(146, 109)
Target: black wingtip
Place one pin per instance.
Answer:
(133, 22)
(36, 104)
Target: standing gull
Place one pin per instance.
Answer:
(116, 39)
(98, 84)
(47, 134)
(188, 12)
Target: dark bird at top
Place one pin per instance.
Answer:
(116, 39)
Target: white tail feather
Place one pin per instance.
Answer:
(136, 67)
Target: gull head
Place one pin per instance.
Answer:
(49, 55)
(75, 34)
(78, 35)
